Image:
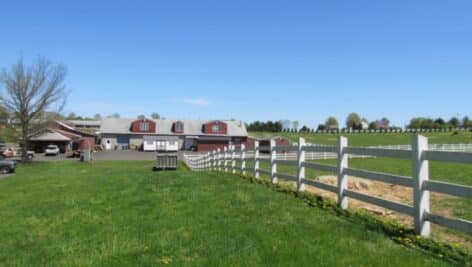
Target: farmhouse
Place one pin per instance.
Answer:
(122, 133)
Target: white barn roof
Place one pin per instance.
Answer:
(49, 135)
(164, 127)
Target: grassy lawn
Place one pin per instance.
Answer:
(121, 213)
(374, 139)
(440, 171)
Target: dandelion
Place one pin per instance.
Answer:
(165, 260)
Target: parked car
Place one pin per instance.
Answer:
(52, 150)
(11, 152)
(6, 166)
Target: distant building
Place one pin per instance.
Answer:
(122, 133)
(64, 136)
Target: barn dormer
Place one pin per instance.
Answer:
(143, 126)
(178, 127)
(215, 127)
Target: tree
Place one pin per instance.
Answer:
(454, 122)
(332, 123)
(373, 125)
(439, 123)
(97, 117)
(31, 91)
(269, 126)
(155, 116)
(48, 117)
(73, 116)
(416, 123)
(321, 127)
(384, 123)
(353, 121)
(466, 122)
(295, 125)
(141, 117)
(115, 115)
(305, 129)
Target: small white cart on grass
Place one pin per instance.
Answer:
(166, 161)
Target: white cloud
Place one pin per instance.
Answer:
(198, 101)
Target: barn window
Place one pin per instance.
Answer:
(179, 127)
(144, 126)
(216, 128)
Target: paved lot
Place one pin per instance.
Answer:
(107, 155)
(124, 155)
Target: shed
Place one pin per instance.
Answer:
(40, 140)
(279, 141)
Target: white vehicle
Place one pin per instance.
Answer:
(52, 150)
(160, 143)
(149, 145)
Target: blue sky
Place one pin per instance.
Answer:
(249, 60)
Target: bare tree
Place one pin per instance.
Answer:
(30, 91)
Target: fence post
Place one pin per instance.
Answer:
(225, 157)
(219, 159)
(233, 159)
(213, 160)
(273, 157)
(256, 159)
(420, 195)
(342, 178)
(208, 163)
(243, 159)
(301, 161)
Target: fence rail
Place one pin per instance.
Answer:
(419, 152)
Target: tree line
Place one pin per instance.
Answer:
(355, 122)
(268, 126)
(439, 123)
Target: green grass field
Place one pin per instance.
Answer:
(374, 139)
(449, 206)
(122, 213)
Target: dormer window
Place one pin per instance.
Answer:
(216, 128)
(178, 127)
(144, 126)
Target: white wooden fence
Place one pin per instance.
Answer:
(418, 153)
